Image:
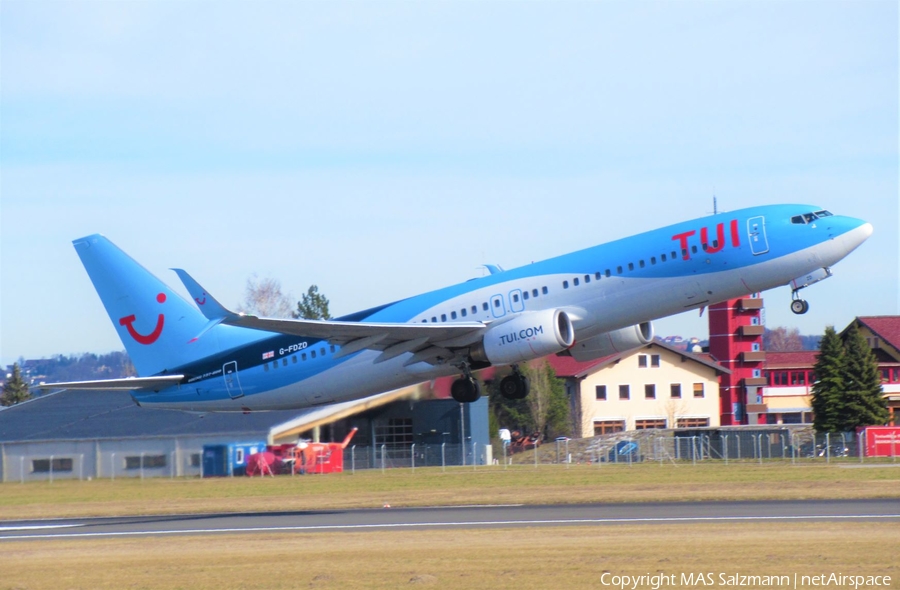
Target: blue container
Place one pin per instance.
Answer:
(229, 459)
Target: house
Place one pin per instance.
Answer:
(655, 386)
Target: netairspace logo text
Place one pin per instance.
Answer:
(712, 579)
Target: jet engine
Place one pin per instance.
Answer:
(613, 342)
(527, 336)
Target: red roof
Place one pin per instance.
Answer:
(797, 359)
(887, 327)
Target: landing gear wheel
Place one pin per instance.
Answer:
(465, 390)
(799, 306)
(514, 386)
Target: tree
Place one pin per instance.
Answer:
(782, 339)
(828, 389)
(264, 298)
(312, 305)
(864, 404)
(15, 390)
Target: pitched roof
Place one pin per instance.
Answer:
(69, 415)
(566, 366)
(795, 359)
(886, 327)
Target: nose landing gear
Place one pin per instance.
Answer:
(799, 306)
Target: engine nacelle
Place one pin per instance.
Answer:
(613, 342)
(526, 337)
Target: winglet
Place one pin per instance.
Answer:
(494, 269)
(206, 303)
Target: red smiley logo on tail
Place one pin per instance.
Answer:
(128, 322)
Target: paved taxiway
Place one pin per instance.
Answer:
(456, 517)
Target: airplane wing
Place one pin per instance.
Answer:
(126, 384)
(427, 341)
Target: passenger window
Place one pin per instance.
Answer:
(534, 293)
(332, 348)
(484, 306)
(525, 295)
(618, 270)
(275, 364)
(684, 253)
(675, 254)
(452, 315)
(694, 248)
(443, 317)
(303, 357)
(662, 257)
(497, 302)
(312, 354)
(575, 281)
(266, 366)
(565, 284)
(515, 297)
(464, 312)
(474, 310)
(322, 351)
(284, 362)
(294, 359)
(653, 260)
(607, 273)
(425, 321)
(544, 290)
(641, 263)
(597, 275)
(433, 319)
(630, 266)
(587, 279)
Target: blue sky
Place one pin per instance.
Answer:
(381, 149)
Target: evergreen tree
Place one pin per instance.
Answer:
(15, 390)
(312, 305)
(828, 389)
(864, 404)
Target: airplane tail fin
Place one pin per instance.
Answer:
(155, 324)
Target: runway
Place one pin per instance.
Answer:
(459, 517)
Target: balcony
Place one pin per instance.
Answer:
(753, 357)
(755, 381)
(751, 330)
(746, 304)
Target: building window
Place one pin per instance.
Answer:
(398, 432)
(654, 360)
(649, 423)
(600, 392)
(798, 377)
(698, 390)
(149, 462)
(624, 391)
(755, 347)
(58, 464)
(608, 426)
(650, 391)
(239, 456)
(692, 422)
(675, 390)
(642, 361)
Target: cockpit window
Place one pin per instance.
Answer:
(809, 217)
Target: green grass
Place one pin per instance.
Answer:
(547, 484)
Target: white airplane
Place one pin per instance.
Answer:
(587, 304)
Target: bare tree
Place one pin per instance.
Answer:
(782, 339)
(263, 297)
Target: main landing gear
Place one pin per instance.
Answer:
(465, 390)
(514, 386)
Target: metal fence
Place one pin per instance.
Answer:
(417, 455)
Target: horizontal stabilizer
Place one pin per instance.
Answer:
(126, 384)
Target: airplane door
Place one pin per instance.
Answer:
(756, 229)
(232, 383)
(516, 303)
(498, 309)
